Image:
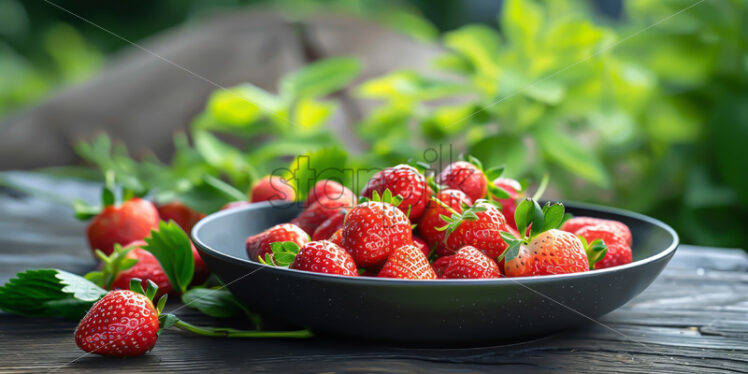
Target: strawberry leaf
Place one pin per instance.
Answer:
(596, 250)
(136, 285)
(172, 247)
(473, 160)
(554, 215)
(85, 211)
(49, 293)
(283, 254)
(494, 173)
(497, 192)
(166, 320)
(219, 303)
(538, 220)
(524, 215)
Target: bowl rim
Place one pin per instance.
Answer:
(440, 282)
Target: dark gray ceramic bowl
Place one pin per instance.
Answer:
(428, 311)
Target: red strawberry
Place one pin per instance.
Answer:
(331, 190)
(403, 180)
(259, 245)
(122, 323)
(466, 177)
(431, 219)
(574, 224)
(440, 265)
(509, 205)
(337, 237)
(327, 228)
(185, 217)
(324, 257)
(235, 204)
(480, 227)
(147, 268)
(132, 220)
(407, 262)
(618, 252)
(374, 229)
(469, 262)
(272, 188)
(421, 244)
(550, 252)
(314, 215)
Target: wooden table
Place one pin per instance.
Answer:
(693, 319)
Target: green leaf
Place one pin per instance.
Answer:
(573, 156)
(310, 115)
(538, 220)
(85, 211)
(522, 21)
(554, 215)
(479, 44)
(166, 320)
(172, 247)
(320, 78)
(49, 293)
(219, 303)
(524, 215)
(494, 172)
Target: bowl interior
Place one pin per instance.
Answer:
(225, 232)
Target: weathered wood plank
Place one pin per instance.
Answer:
(692, 319)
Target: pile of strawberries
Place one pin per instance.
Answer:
(458, 224)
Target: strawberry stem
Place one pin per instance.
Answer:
(233, 333)
(444, 205)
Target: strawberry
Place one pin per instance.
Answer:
(466, 177)
(509, 205)
(440, 265)
(130, 221)
(619, 251)
(317, 213)
(372, 230)
(421, 244)
(259, 245)
(407, 262)
(431, 220)
(405, 181)
(337, 237)
(546, 250)
(479, 226)
(147, 268)
(327, 228)
(331, 190)
(574, 224)
(318, 257)
(272, 188)
(201, 270)
(469, 262)
(185, 217)
(551, 252)
(122, 323)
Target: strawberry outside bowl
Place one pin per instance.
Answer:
(431, 311)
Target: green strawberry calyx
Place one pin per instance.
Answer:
(596, 250)
(529, 214)
(283, 254)
(112, 265)
(455, 219)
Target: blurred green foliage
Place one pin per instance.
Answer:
(647, 112)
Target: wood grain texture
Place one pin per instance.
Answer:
(692, 319)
